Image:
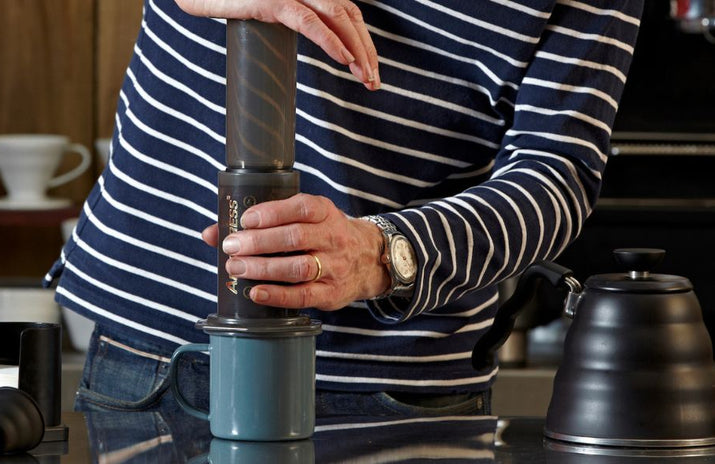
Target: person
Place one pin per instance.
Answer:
(476, 130)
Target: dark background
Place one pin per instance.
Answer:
(660, 201)
(671, 84)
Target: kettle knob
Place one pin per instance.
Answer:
(639, 260)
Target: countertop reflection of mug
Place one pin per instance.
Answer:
(28, 162)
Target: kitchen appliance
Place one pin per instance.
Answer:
(637, 369)
(695, 16)
(262, 358)
(30, 413)
(21, 423)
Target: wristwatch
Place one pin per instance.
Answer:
(399, 258)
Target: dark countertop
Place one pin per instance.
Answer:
(113, 438)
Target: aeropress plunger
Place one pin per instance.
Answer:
(262, 358)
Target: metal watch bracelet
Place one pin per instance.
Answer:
(389, 233)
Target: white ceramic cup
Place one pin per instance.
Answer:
(28, 162)
(28, 304)
(103, 147)
(67, 226)
(9, 375)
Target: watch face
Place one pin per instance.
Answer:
(403, 259)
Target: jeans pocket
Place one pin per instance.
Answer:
(121, 377)
(331, 404)
(457, 405)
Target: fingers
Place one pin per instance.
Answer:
(300, 208)
(309, 295)
(294, 224)
(290, 269)
(336, 26)
(304, 271)
(210, 235)
(282, 239)
(345, 19)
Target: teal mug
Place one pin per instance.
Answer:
(261, 389)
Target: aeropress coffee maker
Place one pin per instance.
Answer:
(262, 378)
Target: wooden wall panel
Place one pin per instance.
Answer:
(46, 51)
(61, 66)
(118, 23)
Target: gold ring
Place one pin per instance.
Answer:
(318, 274)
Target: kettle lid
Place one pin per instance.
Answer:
(638, 279)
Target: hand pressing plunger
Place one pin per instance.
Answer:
(340, 260)
(337, 26)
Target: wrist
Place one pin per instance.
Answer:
(374, 275)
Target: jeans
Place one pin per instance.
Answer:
(128, 375)
(125, 374)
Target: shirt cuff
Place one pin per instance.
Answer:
(390, 310)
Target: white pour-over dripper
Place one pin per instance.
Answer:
(27, 165)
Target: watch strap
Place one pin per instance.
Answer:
(389, 231)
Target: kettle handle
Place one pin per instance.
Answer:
(484, 352)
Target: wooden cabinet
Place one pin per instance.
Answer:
(117, 26)
(61, 66)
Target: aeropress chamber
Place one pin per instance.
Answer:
(262, 378)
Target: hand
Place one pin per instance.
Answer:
(305, 225)
(336, 26)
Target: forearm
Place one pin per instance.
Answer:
(547, 173)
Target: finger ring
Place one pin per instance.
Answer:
(319, 273)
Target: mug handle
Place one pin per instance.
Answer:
(173, 376)
(74, 173)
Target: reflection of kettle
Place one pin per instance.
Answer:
(695, 16)
(638, 364)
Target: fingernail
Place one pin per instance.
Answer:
(250, 219)
(237, 267)
(259, 295)
(370, 76)
(349, 58)
(376, 79)
(231, 245)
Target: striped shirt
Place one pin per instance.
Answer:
(485, 146)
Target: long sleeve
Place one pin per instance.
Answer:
(547, 171)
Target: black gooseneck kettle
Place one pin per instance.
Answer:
(637, 370)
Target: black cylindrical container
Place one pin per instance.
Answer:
(239, 190)
(260, 96)
(260, 138)
(36, 348)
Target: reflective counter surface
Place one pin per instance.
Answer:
(113, 438)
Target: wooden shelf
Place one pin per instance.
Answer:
(38, 218)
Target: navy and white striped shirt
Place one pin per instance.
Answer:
(485, 146)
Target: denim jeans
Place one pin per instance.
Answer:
(125, 374)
